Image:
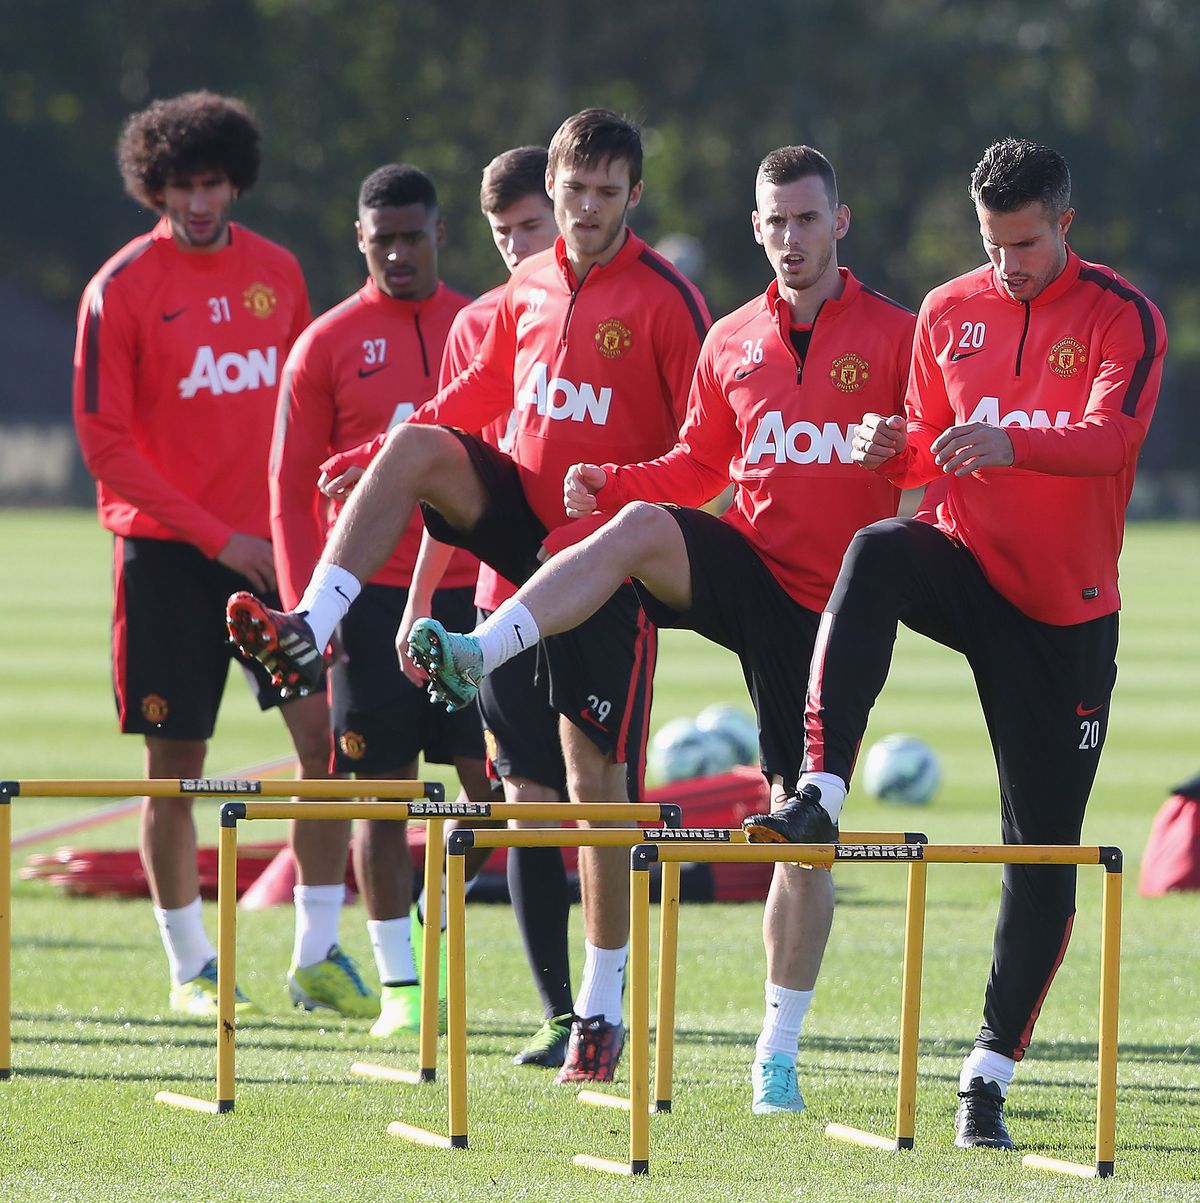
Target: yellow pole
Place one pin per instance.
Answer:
(226, 963)
(668, 966)
(639, 1021)
(1110, 980)
(430, 948)
(5, 936)
(910, 1004)
(456, 969)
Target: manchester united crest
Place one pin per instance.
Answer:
(613, 338)
(849, 372)
(352, 744)
(154, 708)
(260, 300)
(1067, 356)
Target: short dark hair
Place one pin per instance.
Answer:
(790, 163)
(198, 131)
(1014, 173)
(512, 176)
(397, 184)
(596, 136)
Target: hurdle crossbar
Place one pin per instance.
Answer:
(428, 805)
(187, 787)
(1110, 858)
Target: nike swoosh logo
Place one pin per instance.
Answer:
(965, 354)
(342, 594)
(742, 373)
(517, 632)
(363, 373)
(1079, 710)
(170, 317)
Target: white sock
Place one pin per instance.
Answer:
(506, 633)
(186, 942)
(318, 910)
(992, 1067)
(392, 941)
(833, 791)
(603, 981)
(782, 1020)
(330, 593)
(468, 886)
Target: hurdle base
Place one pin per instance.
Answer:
(615, 1102)
(5, 1074)
(186, 1102)
(1054, 1165)
(389, 1073)
(626, 1169)
(869, 1140)
(422, 1136)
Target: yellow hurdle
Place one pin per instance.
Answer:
(433, 810)
(917, 856)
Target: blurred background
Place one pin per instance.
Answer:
(903, 95)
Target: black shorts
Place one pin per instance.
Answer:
(520, 725)
(600, 674)
(381, 720)
(738, 603)
(170, 646)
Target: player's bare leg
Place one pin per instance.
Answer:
(796, 926)
(418, 463)
(642, 541)
(167, 842)
(167, 839)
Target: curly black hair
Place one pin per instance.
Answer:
(198, 131)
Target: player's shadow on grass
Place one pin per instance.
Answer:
(72, 944)
(159, 1079)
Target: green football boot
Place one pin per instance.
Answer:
(334, 984)
(198, 997)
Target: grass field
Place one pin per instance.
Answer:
(92, 1042)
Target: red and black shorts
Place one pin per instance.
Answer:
(381, 720)
(738, 603)
(601, 674)
(520, 725)
(170, 646)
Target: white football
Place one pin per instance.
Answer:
(734, 725)
(901, 768)
(681, 750)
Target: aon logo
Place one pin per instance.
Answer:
(229, 373)
(799, 443)
(561, 400)
(988, 410)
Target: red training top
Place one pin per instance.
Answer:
(361, 368)
(177, 361)
(782, 430)
(600, 369)
(1073, 376)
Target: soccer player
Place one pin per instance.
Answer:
(359, 369)
(1033, 382)
(780, 385)
(182, 334)
(597, 339)
(520, 724)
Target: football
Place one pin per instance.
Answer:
(733, 725)
(901, 768)
(681, 750)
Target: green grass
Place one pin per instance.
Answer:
(92, 1044)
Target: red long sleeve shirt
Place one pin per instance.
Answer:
(177, 361)
(600, 369)
(782, 430)
(1073, 377)
(359, 369)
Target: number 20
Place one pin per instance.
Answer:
(1089, 735)
(972, 335)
